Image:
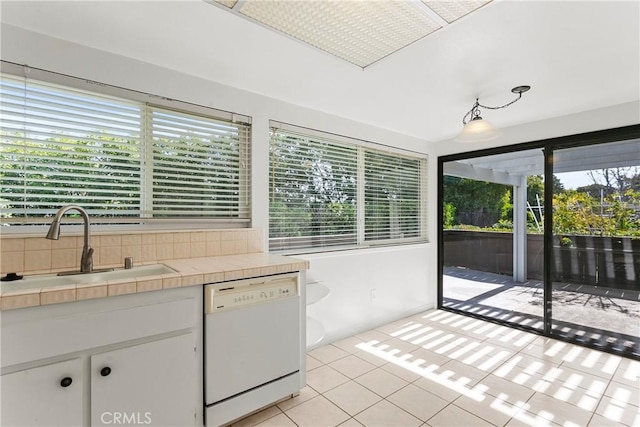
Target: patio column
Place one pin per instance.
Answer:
(520, 230)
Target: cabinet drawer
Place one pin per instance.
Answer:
(28, 340)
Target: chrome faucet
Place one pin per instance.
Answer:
(86, 260)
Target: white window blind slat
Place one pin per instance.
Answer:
(61, 145)
(197, 151)
(314, 191)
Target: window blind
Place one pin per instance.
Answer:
(392, 194)
(312, 186)
(200, 166)
(326, 193)
(122, 160)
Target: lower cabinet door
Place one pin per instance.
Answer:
(147, 384)
(46, 395)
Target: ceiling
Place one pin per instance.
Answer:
(576, 55)
(621, 154)
(360, 32)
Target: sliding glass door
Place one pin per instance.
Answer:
(493, 237)
(545, 236)
(596, 245)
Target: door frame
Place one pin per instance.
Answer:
(548, 146)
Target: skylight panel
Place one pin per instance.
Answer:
(452, 10)
(360, 32)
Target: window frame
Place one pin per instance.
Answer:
(147, 103)
(363, 147)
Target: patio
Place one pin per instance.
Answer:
(602, 316)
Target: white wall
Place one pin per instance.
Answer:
(404, 277)
(400, 278)
(586, 121)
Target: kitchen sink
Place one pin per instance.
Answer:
(51, 280)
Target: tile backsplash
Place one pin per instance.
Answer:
(37, 255)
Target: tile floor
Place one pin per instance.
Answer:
(443, 369)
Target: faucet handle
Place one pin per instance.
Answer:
(128, 263)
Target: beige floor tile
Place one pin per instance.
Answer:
(451, 370)
(426, 358)
(381, 382)
(325, 378)
(384, 413)
(313, 363)
(619, 411)
(462, 374)
(600, 421)
(421, 334)
(383, 351)
(624, 393)
(596, 363)
(317, 412)
(628, 372)
(417, 401)
(441, 386)
(532, 363)
(352, 397)
(453, 416)
(258, 417)
(350, 344)
(524, 418)
(328, 353)
(306, 393)
(469, 326)
(399, 328)
(374, 357)
(373, 336)
(352, 366)
(495, 410)
(351, 422)
(524, 370)
(512, 338)
(487, 357)
(571, 378)
(439, 341)
(501, 388)
(401, 371)
(556, 411)
(584, 398)
(398, 347)
(463, 348)
(458, 346)
(280, 420)
(550, 351)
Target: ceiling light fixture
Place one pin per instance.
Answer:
(476, 129)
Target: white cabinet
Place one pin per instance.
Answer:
(151, 344)
(46, 395)
(152, 383)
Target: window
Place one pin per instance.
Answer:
(123, 160)
(328, 191)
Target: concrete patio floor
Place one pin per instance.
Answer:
(601, 316)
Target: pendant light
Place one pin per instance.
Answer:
(477, 129)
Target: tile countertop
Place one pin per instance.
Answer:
(189, 272)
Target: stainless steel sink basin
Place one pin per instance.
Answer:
(135, 272)
(51, 280)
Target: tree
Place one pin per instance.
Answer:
(477, 203)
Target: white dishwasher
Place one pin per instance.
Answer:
(252, 345)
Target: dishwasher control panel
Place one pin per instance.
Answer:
(242, 293)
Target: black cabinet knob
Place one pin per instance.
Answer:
(66, 382)
(105, 371)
